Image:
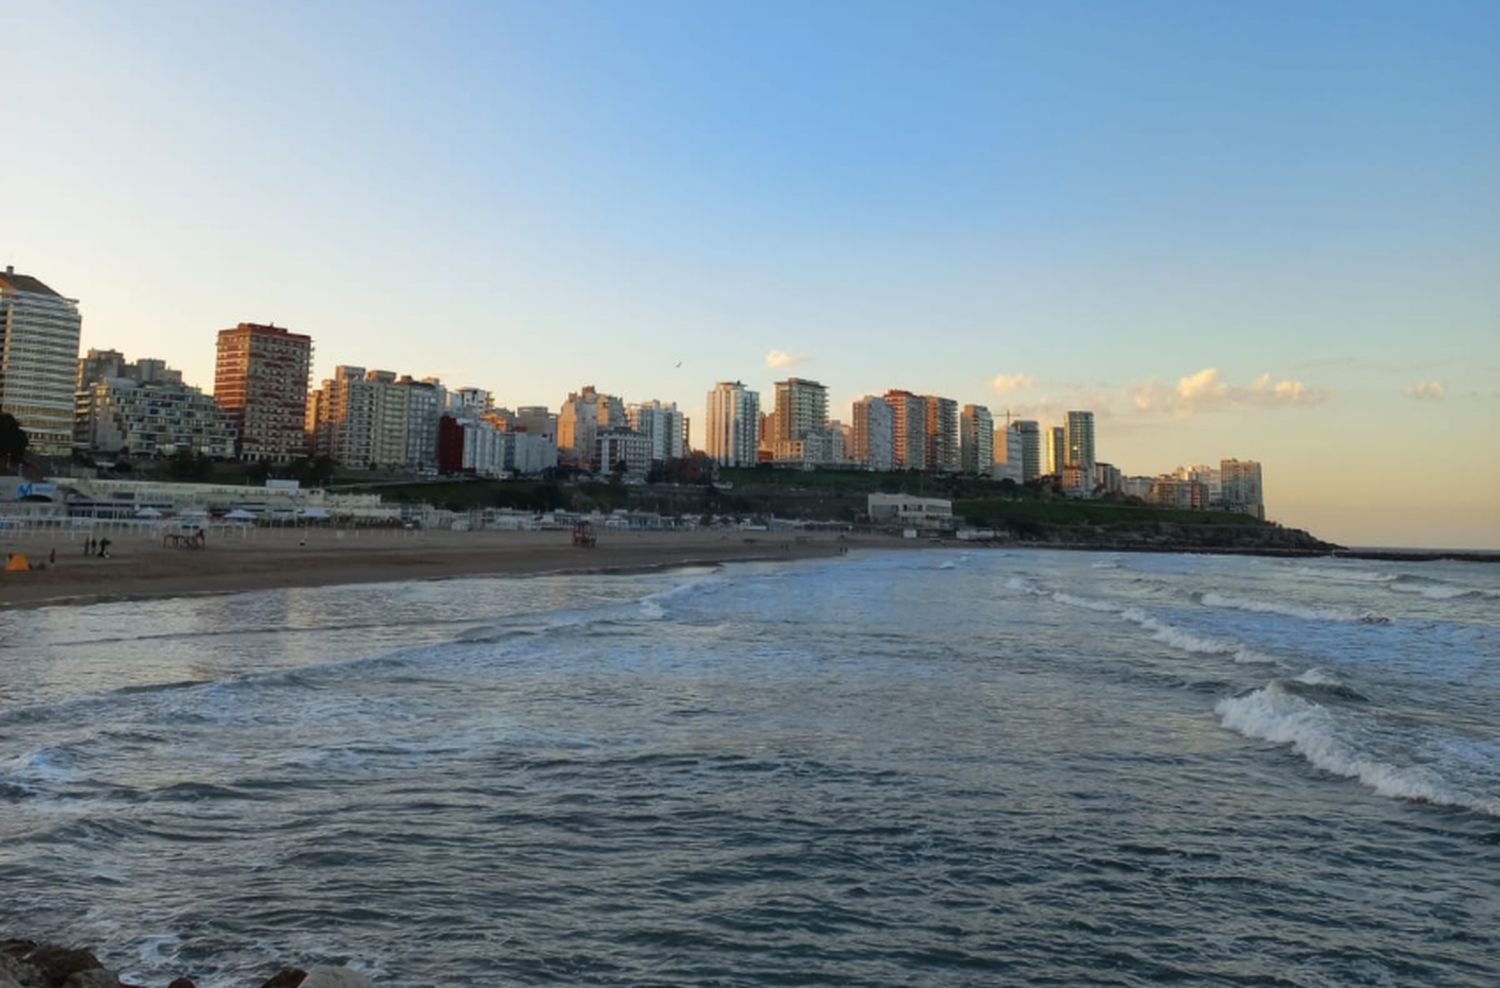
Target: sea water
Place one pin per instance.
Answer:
(936, 768)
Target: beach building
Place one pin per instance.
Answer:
(1030, 434)
(424, 406)
(360, 418)
(733, 434)
(801, 407)
(909, 511)
(1009, 455)
(260, 381)
(117, 415)
(38, 360)
(976, 439)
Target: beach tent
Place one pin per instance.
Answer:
(239, 514)
(315, 513)
(17, 563)
(148, 513)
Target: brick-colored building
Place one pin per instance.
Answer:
(260, 380)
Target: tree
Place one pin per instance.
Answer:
(13, 440)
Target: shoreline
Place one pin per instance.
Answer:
(141, 569)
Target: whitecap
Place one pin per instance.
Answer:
(1287, 609)
(1274, 714)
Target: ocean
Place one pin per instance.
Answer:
(903, 768)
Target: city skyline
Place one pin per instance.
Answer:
(1305, 280)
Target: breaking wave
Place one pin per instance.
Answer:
(1286, 716)
(1162, 631)
(1303, 612)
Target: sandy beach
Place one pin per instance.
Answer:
(266, 559)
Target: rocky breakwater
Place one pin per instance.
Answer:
(1257, 540)
(28, 964)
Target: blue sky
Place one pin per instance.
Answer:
(1097, 202)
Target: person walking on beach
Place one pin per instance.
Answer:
(104, 548)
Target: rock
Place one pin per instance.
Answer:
(182, 983)
(54, 965)
(94, 978)
(16, 973)
(336, 977)
(289, 977)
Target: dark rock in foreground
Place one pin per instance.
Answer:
(28, 964)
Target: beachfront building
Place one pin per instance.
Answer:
(873, 434)
(1107, 478)
(909, 511)
(1169, 491)
(733, 434)
(360, 419)
(260, 381)
(662, 425)
(425, 400)
(118, 415)
(1240, 487)
(909, 426)
(38, 360)
(943, 453)
(976, 439)
(583, 414)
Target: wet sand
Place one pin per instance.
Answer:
(267, 559)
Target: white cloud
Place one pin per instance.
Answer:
(782, 360)
(1427, 390)
(1005, 384)
(1207, 391)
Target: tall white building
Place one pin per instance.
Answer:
(733, 433)
(360, 419)
(38, 360)
(425, 401)
(976, 439)
(662, 425)
(872, 432)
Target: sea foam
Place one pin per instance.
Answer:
(1274, 714)
(1288, 609)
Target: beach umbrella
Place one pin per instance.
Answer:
(315, 513)
(239, 514)
(148, 513)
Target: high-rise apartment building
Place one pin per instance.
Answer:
(733, 434)
(976, 439)
(425, 401)
(943, 452)
(801, 407)
(583, 414)
(1078, 438)
(1057, 450)
(1240, 487)
(1031, 448)
(873, 434)
(260, 380)
(662, 425)
(361, 419)
(118, 415)
(909, 422)
(38, 360)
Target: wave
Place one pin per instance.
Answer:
(1346, 575)
(1211, 599)
(1162, 631)
(1281, 716)
(1436, 589)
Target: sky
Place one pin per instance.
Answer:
(1266, 231)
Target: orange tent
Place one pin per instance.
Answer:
(17, 563)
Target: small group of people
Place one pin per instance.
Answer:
(96, 547)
